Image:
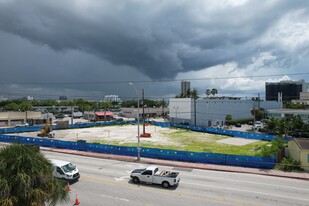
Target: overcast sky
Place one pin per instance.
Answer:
(92, 48)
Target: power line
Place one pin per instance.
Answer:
(150, 81)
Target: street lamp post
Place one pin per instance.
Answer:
(138, 135)
(176, 108)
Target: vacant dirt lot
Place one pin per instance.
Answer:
(127, 134)
(121, 134)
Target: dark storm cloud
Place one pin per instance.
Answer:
(158, 38)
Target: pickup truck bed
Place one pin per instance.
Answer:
(166, 173)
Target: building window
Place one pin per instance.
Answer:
(307, 157)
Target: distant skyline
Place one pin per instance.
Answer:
(90, 49)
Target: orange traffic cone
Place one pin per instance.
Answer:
(76, 200)
(69, 187)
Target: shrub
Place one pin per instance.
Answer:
(273, 148)
(241, 121)
(289, 165)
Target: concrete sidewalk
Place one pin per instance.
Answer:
(269, 172)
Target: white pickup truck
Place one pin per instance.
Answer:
(22, 125)
(154, 176)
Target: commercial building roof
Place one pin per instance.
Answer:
(107, 113)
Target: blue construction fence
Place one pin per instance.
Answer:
(198, 157)
(55, 127)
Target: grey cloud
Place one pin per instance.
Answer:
(158, 38)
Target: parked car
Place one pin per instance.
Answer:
(237, 125)
(154, 176)
(59, 116)
(119, 119)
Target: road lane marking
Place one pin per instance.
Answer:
(239, 190)
(116, 198)
(247, 182)
(176, 194)
(121, 178)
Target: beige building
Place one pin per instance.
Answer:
(299, 150)
(8, 119)
(303, 98)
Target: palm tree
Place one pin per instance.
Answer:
(283, 127)
(194, 94)
(214, 91)
(208, 92)
(26, 178)
(105, 105)
(272, 125)
(257, 113)
(25, 107)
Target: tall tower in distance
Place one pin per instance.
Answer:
(185, 87)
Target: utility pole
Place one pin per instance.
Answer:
(72, 114)
(138, 135)
(258, 100)
(143, 100)
(194, 112)
(163, 103)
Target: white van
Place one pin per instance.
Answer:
(65, 170)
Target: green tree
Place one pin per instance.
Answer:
(269, 150)
(257, 113)
(25, 106)
(283, 127)
(208, 92)
(228, 118)
(272, 125)
(26, 178)
(194, 94)
(12, 106)
(290, 105)
(214, 92)
(297, 123)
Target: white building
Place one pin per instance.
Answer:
(208, 112)
(284, 113)
(112, 98)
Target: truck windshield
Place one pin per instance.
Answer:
(68, 167)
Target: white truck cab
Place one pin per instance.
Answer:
(154, 176)
(65, 170)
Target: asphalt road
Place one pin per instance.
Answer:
(107, 182)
